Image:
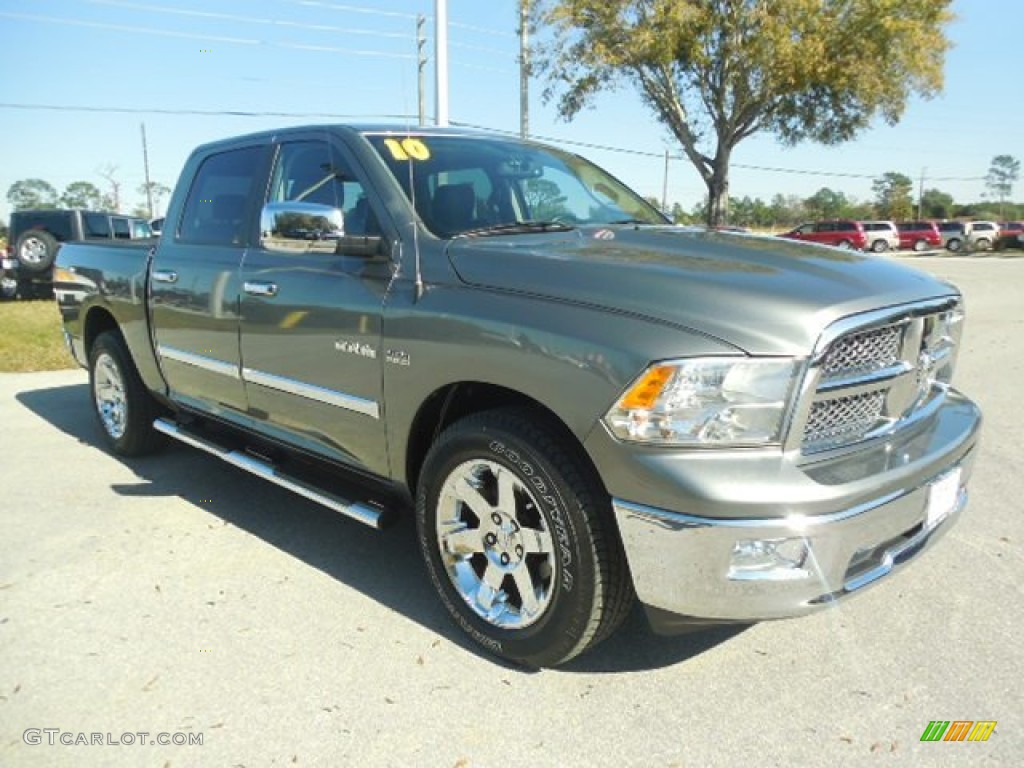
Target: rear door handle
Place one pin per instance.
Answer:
(165, 276)
(260, 288)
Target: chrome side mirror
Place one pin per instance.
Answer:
(296, 227)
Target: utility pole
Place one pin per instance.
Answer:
(920, 195)
(441, 60)
(421, 63)
(664, 186)
(524, 68)
(145, 165)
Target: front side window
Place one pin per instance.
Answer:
(216, 208)
(313, 172)
(486, 185)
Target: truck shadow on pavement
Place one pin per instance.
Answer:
(383, 565)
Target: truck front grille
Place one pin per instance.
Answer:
(871, 374)
(863, 352)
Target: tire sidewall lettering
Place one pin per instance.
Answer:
(552, 507)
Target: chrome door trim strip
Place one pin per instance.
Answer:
(198, 361)
(312, 392)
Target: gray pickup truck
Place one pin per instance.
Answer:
(580, 404)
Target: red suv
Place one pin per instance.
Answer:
(919, 235)
(842, 233)
(1011, 235)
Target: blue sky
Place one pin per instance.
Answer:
(357, 58)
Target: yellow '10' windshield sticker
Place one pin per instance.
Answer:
(407, 149)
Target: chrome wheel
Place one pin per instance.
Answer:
(108, 390)
(953, 245)
(495, 544)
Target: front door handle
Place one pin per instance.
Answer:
(260, 288)
(165, 276)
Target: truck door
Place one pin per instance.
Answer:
(311, 319)
(195, 283)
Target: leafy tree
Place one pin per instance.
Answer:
(827, 204)
(716, 72)
(936, 204)
(31, 193)
(154, 191)
(678, 215)
(893, 196)
(544, 199)
(1002, 175)
(82, 194)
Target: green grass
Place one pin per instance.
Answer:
(30, 337)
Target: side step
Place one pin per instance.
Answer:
(363, 513)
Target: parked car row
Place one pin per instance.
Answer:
(881, 236)
(35, 236)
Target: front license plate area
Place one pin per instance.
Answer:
(942, 498)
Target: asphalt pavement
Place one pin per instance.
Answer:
(181, 598)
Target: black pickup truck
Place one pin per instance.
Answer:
(579, 403)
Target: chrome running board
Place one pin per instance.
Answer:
(365, 514)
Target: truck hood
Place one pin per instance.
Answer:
(764, 295)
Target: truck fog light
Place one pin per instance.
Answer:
(769, 559)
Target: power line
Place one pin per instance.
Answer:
(203, 112)
(405, 117)
(661, 155)
(352, 9)
(250, 19)
(209, 38)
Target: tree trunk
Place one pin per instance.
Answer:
(718, 197)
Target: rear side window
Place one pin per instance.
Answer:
(57, 223)
(120, 227)
(96, 225)
(847, 226)
(217, 204)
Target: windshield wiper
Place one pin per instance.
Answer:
(629, 221)
(518, 228)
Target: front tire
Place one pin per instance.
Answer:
(519, 540)
(920, 245)
(123, 407)
(879, 246)
(954, 245)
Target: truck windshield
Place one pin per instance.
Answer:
(479, 186)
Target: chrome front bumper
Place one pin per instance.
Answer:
(695, 568)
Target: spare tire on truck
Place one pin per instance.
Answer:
(36, 250)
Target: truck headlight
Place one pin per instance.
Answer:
(707, 401)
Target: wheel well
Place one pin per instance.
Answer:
(97, 321)
(456, 401)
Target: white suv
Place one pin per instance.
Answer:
(983, 235)
(881, 236)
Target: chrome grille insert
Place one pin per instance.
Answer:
(863, 352)
(873, 372)
(835, 421)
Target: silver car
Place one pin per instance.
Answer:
(881, 236)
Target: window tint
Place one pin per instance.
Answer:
(847, 226)
(215, 210)
(57, 223)
(120, 227)
(825, 226)
(96, 225)
(313, 172)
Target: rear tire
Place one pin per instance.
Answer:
(982, 244)
(36, 250)
(844, 244)
(954, 245)
(920, 245)
(123, 406)
(519, 539)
